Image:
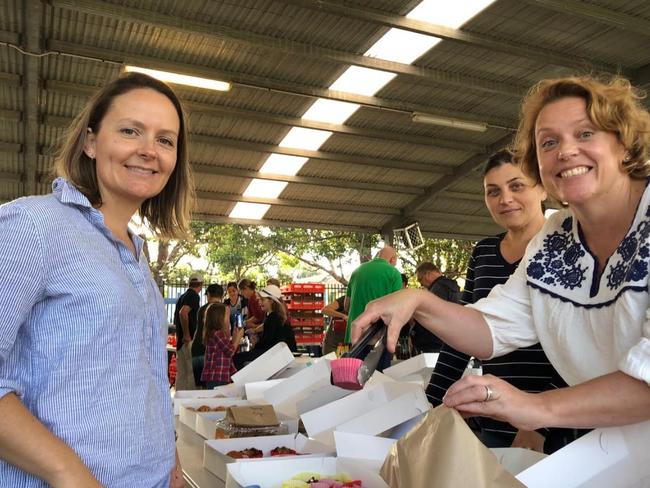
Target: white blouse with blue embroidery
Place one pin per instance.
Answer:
(588, 325)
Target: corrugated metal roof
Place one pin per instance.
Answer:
(281, 55)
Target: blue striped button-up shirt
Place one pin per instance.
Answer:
(82, 339)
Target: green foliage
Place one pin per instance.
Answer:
(450, 255)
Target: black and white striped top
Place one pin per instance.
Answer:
(527, 369)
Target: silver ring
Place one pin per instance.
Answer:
(488, 393)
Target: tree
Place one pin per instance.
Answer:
(450, 255)
(324, 249)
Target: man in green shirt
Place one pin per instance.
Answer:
(371, 280)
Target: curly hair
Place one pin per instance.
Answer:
(613, 105)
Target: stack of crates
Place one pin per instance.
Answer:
(305, 304)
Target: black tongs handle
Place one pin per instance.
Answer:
(371, 332)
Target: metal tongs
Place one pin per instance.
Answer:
(375, 337)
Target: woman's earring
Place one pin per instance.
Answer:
(627, 157)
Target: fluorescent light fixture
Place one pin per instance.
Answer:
(402, 46)
(362, 81)
(250, 211)
(449, 122)
(282, 164)
(181, 79)
(264, 188)
(331, 111)
(452, 14)
(301, 138)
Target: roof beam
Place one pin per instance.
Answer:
(32, 15)
(222, 219)
(10, 147)
(342, 8)
(309, 204)
(13, 115)
(594, 13)
(244, 145)
(115, 57)
(10, 79)
(209, 169)
(443, 183)
(454, 217)
(266, 117)
(221, 33)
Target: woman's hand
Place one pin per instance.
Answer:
(489, 396)
(395, 310)
(177, 480)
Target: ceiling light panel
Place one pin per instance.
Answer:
(179, 79)
(250, 211)
(362, 81)
(330, 111)
(301, 138)
(452, 14)
(282, 164)
(265, 188)
(402, 46)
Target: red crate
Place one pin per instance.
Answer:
(318, 305)
(304, 288)
(307, 321)
(309, 339)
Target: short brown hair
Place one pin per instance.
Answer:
(613, 105)
(168, 213)
(426, 267)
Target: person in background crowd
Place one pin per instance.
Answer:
(581, 289)
(272, 330)
(369, 281)
(185, 317)
(274, 281)
(256, 314)
(237, 303)
(219, 345)
(515, 204)
(430, 278)
(214, 292)
(63, 396)
(335, 333)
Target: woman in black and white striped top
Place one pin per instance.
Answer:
(516, 205)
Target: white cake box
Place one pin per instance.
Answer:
(371, 411)
(604, 458)
(367, 450)
(226, 391)
(271, 473)
(265, 366)
(206, 423)
(308, 389)
(255, 389)
(188, 417)
(215, 458)
(417, 368)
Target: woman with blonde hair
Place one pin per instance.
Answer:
(84, 394)
(581, 289)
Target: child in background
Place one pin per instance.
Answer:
(219, 346)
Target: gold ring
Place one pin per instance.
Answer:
(488, 393)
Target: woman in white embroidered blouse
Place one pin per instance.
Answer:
(582, 287)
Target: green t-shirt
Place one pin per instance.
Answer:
(369, 281)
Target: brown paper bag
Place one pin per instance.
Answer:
(442, 452)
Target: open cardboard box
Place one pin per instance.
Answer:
(255, 390)
(373, 410)
(271, 473)
(215, 458)
(308, 389)
(612, 457)
(188, 417)
(417, 369)
(265, 366)
(206, 423)
(226, 391)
